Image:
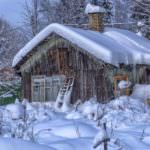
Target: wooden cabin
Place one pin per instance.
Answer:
(96, 60)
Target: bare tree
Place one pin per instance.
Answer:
(122, 13)
(10, 42)
(31, 17)
(141, 14)
(64, 11)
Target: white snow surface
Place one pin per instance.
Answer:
(113, 46)
(141, 91)
(126, 119)
(16, 111)
(12, 144)
(124, 84)
(90, 8)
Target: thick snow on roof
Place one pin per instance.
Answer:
(90, 8)
(113, 46)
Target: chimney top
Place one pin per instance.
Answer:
(96, 14)
(92, 8)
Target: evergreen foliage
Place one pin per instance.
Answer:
(107, 5)
(64, 11)
(10, 42)
(141, 14)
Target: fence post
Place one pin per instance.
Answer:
(105, 140)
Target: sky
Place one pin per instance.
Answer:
(11, 10)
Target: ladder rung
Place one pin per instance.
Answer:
(63, 91)
(66, 87)
(62, 94)
(69, 77)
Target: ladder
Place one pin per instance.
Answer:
(64, 94)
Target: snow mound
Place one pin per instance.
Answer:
(124, 84)
(91, 109)
(125, 110)
(75, 130)
(146, 140)
(141, 91)
(65, 129)
(90, 8)
(16, 110)
(49, 125)
(73, 144)
(13, 144)
(74, 115)
(118, 112)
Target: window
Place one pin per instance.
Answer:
(46, 88)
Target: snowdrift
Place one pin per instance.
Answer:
(12, 144)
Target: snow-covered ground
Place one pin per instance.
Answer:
(127, 119)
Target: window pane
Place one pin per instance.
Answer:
(46, 88)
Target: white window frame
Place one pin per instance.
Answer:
(43, 81)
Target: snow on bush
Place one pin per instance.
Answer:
(41, 114)
(125, 110)
(92, 109)
(16, 111)
(117, 112)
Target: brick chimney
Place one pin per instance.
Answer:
(96, 15)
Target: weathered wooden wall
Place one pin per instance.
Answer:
(26, 85)
(70, 61)
(92, 76)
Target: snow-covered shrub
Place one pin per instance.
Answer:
(15, 110)
(30, 112)
(125, 110)
(19, 131)
(42, 113)
(92, 109)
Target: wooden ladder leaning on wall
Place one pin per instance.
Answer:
(65, 92)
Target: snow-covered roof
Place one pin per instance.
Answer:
(113, 46)
(90, 8)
